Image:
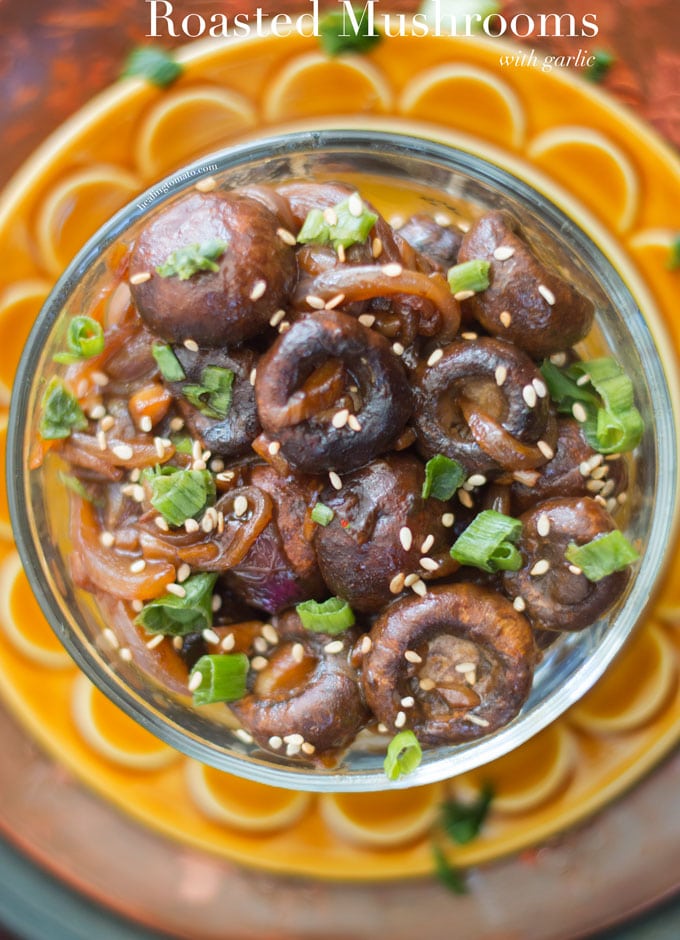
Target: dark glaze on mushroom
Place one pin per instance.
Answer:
(346, 371)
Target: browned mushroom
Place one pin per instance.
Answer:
(305, 693)
(451, 666)
(554, 593)
(527, 301)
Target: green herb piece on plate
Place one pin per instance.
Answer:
(155, 65)
(184, 262)
(179, 616)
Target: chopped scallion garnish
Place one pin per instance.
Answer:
(84, 339)
(75, 485)
(404, 754)
(178, 616)
(346, 230)
(331, 616)
(223, 678)
(599, 68)
(487, 543)
(213, 396)
(673, 263)
(340, 32)
(603, 556)
(462, 822)
(184, 262)
(168, 364)
(179, 495)
(322, 514)
(452, 878)
(469, 275)
(60, 413)
(443, 476)
(153, 64)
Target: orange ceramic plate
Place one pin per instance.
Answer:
(563, 137)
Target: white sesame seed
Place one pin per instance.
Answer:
(397, 583)
(428, 564)
(519, 604)
(110, 637)
(410, 579)
(448, 519)
(228, 643)
(195, 681)
(260, 644)
(529, 395)
(419, 587)
(583, 379)
(107, 423)
(599, 473)
(141, 277)
(287, 237)
(316, 303)
(477, 479)
(503, 252)
(545, 449)
(155, 641)
(382, 728)
(376, 247)
(463, 295)
(546, 294)
(412, 657)
(400, 720)
(307, 748)
(252, 376)
(465, 499)
(470, 336)
(355, 205)
(225, 476)
(125, 654)
(136, 567)
(259, 663)
(559, 359)
(367, 320)
(134, 475)
(82, 388)
(335, 646)
(191, 525)
(334, 301)
(621, 498)
(98, 412)
(107, 539)
(406, 538)
(579, 412)
(177, 643)
(575, 569)
(335, 480)
(176, 589)
(594, 486)
(540, 387)
(275, 742)
(506, 318)
(366, 644)
(207, 523)
(427, 544)
(435, 356)
(276, 318)
(476, 720)
(240, 506)
(159, 447)
(408, 701)
(392, 270)
(608, 488)
(292, 750)
(541, 567)
(137, 606)
(122, 451)
(294, 739)
(191, 345)
(210, 636)
(543, 525)
(298, 652)
(145, 423)
(330, 215)
(177, 424)
(397, 349)
(244, 735)
(353, 423)
(339, 419)
(427, 684)
(501, 375)
(100, 378)
(217, 465)
(612, 505)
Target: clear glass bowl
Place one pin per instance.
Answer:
(441, 178)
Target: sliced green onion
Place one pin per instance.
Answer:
(462, 822)
(487, 543)
(223, 678)
(599, 68)
(348, 229)
(673, 262)
(470, 275)
(452, 878)
(179, 616)
(61, 412)
(331, 616)
(563, 389)
(182, 443)
(153, 64)
(76, 486)
(168, 364)
(339, 34)
(617, 426)
(322, 514)
(404, 754)
(603, 556)
(213, 396)
(84, 339)
(184, 262)
(179, 495)
(443, 476)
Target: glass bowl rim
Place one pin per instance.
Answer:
(377, 143)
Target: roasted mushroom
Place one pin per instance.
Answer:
(451, 666)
